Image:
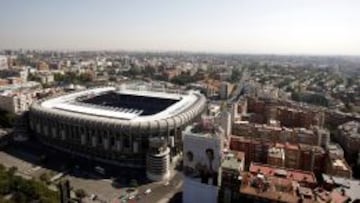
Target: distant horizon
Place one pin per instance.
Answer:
(280, 27)
(181, 51)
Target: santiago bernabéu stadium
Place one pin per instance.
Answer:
(127, 125)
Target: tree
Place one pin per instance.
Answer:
(19, 197)
(134, 70)
(289, 89)
(7, 119)
(112, 79)
(80, 193)
(149, 71)
(59, 77)
(133, 183)
(183, 79)
(12, 170)
(24, 190)
(33, 77)
(45, 178)
(2, 167)
(85, 77)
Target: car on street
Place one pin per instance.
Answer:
(147, 191)
(93, 197)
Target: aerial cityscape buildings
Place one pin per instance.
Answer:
(200, 101)
(136, 121)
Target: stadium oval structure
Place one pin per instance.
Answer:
(114, 124)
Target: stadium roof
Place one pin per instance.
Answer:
(69, 103)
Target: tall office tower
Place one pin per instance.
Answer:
(203, 145)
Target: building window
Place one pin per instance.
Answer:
(126, 142)
(189, 156)
(112, 141)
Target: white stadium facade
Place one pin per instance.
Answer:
(133, 127)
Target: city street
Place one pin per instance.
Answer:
(24, 162)
(83, 176)
(161, 192)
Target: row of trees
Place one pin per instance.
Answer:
(74, 78)
(136, 70)
(183, 79)
(23, 191)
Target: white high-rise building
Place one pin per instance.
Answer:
(203, 146)
(224, 120)
(3, 62)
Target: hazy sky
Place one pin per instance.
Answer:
(240, 26)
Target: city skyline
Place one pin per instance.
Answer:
(255, 27)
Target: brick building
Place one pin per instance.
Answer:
(276, 157)
(291, 117)
(296, 156)
(314, 136)
(336, 166)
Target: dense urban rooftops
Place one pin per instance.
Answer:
(291, 174)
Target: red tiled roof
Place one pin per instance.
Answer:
(297, 175)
